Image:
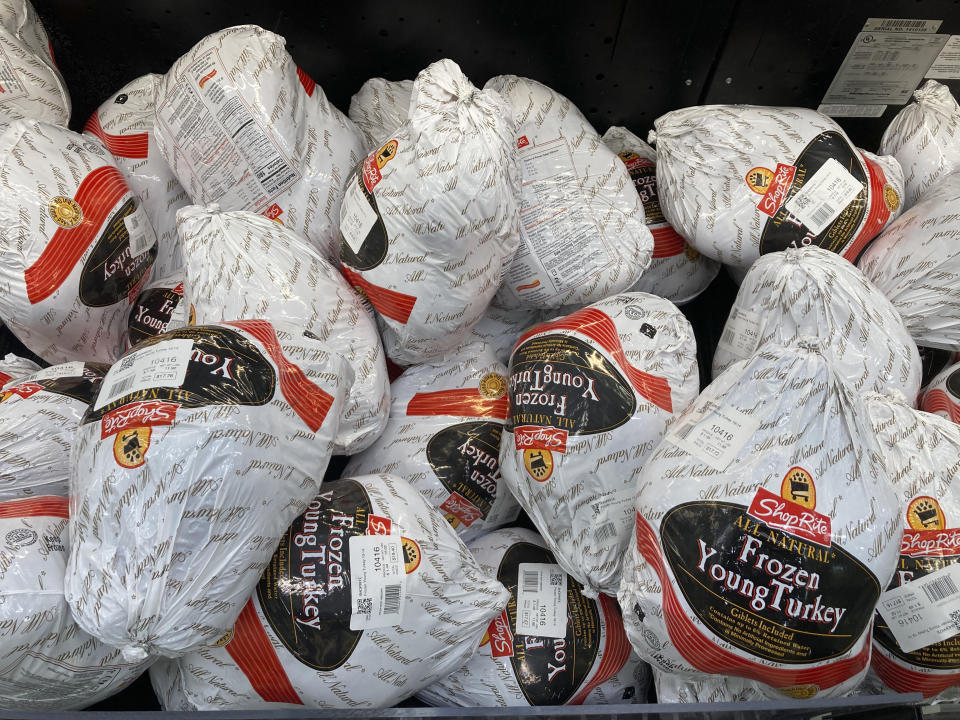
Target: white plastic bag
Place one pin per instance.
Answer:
(13, 367)
(293, 644)
(33, 87)
(241, 125)
(591, 395)
(677, 272)
(813, 292)
(704, 689)
(587, 661)
(443, 437)
(766, 528)
(241, 265)
(380, 107)
(202, 446)
(732, 181)
(159, 307)
(75, 244)
(429, 220)
(924, 137)
(124, 124)
(501, 328)
(582, 227)
(916, 264)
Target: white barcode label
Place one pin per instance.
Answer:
(715, 436)
(377, 581)
(142, 237)
(541, 600)
(901, 25)
(55, 372)
(741, 334)
(161, 365)
(356, 216)
(824, 196)
(923, 611)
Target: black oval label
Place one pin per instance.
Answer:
(783, 230)
(151, 313)
(551, 670)
(943, 655)
(224, 369)
(373, 250)
(466, 460)
(933, 362)
(644, 175)
(560, 381)
(83, 388)
(766, 592)
(305, 590)
(111, 272)
(953, 383)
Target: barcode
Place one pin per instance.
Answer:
(531, 581)
(822, 215)
(903, 25)
(955, 617)
(606, 532)
(140, 233)
(728, 337)
(940, 589)
(556, 579)
(364, 606)
(684, 431)
(121, 386)
(391, 600)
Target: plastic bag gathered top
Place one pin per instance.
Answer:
(916, 264)
(202, 445)
(124, 124)
(75, 244)
(369, 598)
(813, 292)
(586, 659)
(241, 125)
(741, 181)
(924, 137)
(583, 235)
(443, 437)
(429, 220)
(380, 107)
(677, 272)
(242, 265)
(591, 396)
(766, 528)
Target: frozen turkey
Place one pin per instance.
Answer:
(39, 416)
(591, 396)
(429, 220)
(814, 292)
(369, 598)
(916, 264)
(582, 229)
(202, 446)
(500, 328)
(380, 107)
(924, 137)
(75, 244)
(159, 307)
(741, 181)
(584, 660)
(32, 86)
(241, 125)
(922, 452)
(13, 367)
(766, 528)
(677, 272)
(443, 437)
(47, 662)
(242, 265)
(124, 124)
(943, 394)
(933, 361)
(703, 689)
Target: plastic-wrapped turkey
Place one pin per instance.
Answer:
(943, 394)
(241, 125)
(741, 181)
(813, 292)
(159, 307)
(124, 124)
(585, 659)
(242, 265)
(380, 107)
(677, 272)
(924, 137)
(591, 396)
(369, 598)
(581, 224)
(766, 528)
(500, 329)
(201, 447)
(443, 437)
(13, 367)
(429, 220)
(75, 244)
